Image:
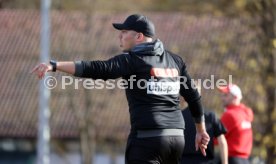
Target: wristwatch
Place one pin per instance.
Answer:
(54, 65)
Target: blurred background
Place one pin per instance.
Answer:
(216, 38)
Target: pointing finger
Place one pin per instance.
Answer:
(203, 151)
(34, 69)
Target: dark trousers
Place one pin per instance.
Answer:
(237, 160)
(155, 150)
(197, 159)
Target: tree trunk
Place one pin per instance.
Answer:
(92, 140)
(86, 150)
(268, 74)
(85, 143)
(89, 116)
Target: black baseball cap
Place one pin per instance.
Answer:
(138, 23)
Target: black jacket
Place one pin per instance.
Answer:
(214, 128)
(156, 106)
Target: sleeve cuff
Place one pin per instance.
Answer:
(78, 69)
(199, 119)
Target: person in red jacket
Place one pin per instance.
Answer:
(237, 119)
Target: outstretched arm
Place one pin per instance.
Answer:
(41, 69)
(113, 68)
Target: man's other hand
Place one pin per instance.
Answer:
(201, 141)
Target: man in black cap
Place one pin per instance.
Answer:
(156, 121)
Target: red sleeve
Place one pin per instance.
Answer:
(229, 121)
(215, 140)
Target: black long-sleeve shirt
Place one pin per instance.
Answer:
(161, 76)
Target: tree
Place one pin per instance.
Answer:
(85, 116)
(264, 14)
(265, 10)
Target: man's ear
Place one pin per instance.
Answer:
(140, 36)
(235, 97)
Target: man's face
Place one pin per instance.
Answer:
(127, 39)
(227, 98)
